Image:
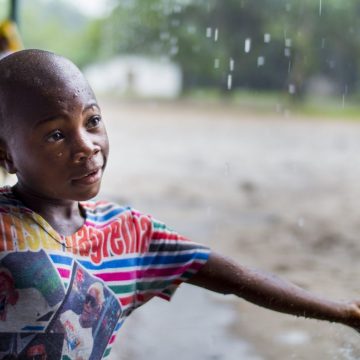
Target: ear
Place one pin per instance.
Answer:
(5, 159)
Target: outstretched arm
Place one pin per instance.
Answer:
(225, 276)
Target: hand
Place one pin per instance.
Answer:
(352, 317)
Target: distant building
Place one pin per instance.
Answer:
(136, 76)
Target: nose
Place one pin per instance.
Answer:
(84, 147)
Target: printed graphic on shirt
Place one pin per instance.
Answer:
(27, 346)
(30, 292)
(121, 234)
(87, 317)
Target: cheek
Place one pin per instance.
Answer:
(105, 145)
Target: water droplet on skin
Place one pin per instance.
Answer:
(229, 82)
(247, 47)
(267, 38)
(260, 61)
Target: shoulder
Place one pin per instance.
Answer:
(9, 203)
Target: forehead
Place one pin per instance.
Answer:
(43, 90)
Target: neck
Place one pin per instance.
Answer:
(65, 216)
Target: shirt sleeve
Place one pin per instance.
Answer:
(167, 260)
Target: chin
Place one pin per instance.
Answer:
(88, 194)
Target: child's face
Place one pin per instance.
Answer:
(59, 145)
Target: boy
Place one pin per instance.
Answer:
(53, 239)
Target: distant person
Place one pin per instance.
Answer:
(4, 46)
(9, 38)
(53, 139)
(9, 42)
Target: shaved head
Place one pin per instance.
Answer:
(29, 77)
(51, 133)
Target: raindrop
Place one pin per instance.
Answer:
(231, 64)
(208, 32)
(344, 95)
(177, 8)
(320, 7)
(173, 41)
(289, 67)
(247, 45)
(229, 82)
(288, 7)
(260, 61)
(174, 50)
(216, 63)
(292, 89)
(267, 38)
(331, 63)
(216, 34)
(191, 29)
(323, 43)
(164, 35)
(175, 22)
(288, 42)
(287, 52)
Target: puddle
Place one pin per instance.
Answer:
(194, 325)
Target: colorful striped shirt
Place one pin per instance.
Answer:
(67, 296)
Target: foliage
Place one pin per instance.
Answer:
(58, 27)
(289, 42)
(307, 38)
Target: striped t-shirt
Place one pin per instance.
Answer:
(67, 297)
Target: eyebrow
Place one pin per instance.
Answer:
(55, 117)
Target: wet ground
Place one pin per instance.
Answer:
(276, 192)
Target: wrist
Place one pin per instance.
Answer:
(347, 314)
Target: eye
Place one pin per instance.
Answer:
(93, 122)
(55, 136)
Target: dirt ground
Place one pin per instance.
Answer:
(274, 191)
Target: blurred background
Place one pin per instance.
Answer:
(237, 123)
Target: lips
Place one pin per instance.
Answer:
(89, 177)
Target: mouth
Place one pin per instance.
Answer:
(89, 178)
